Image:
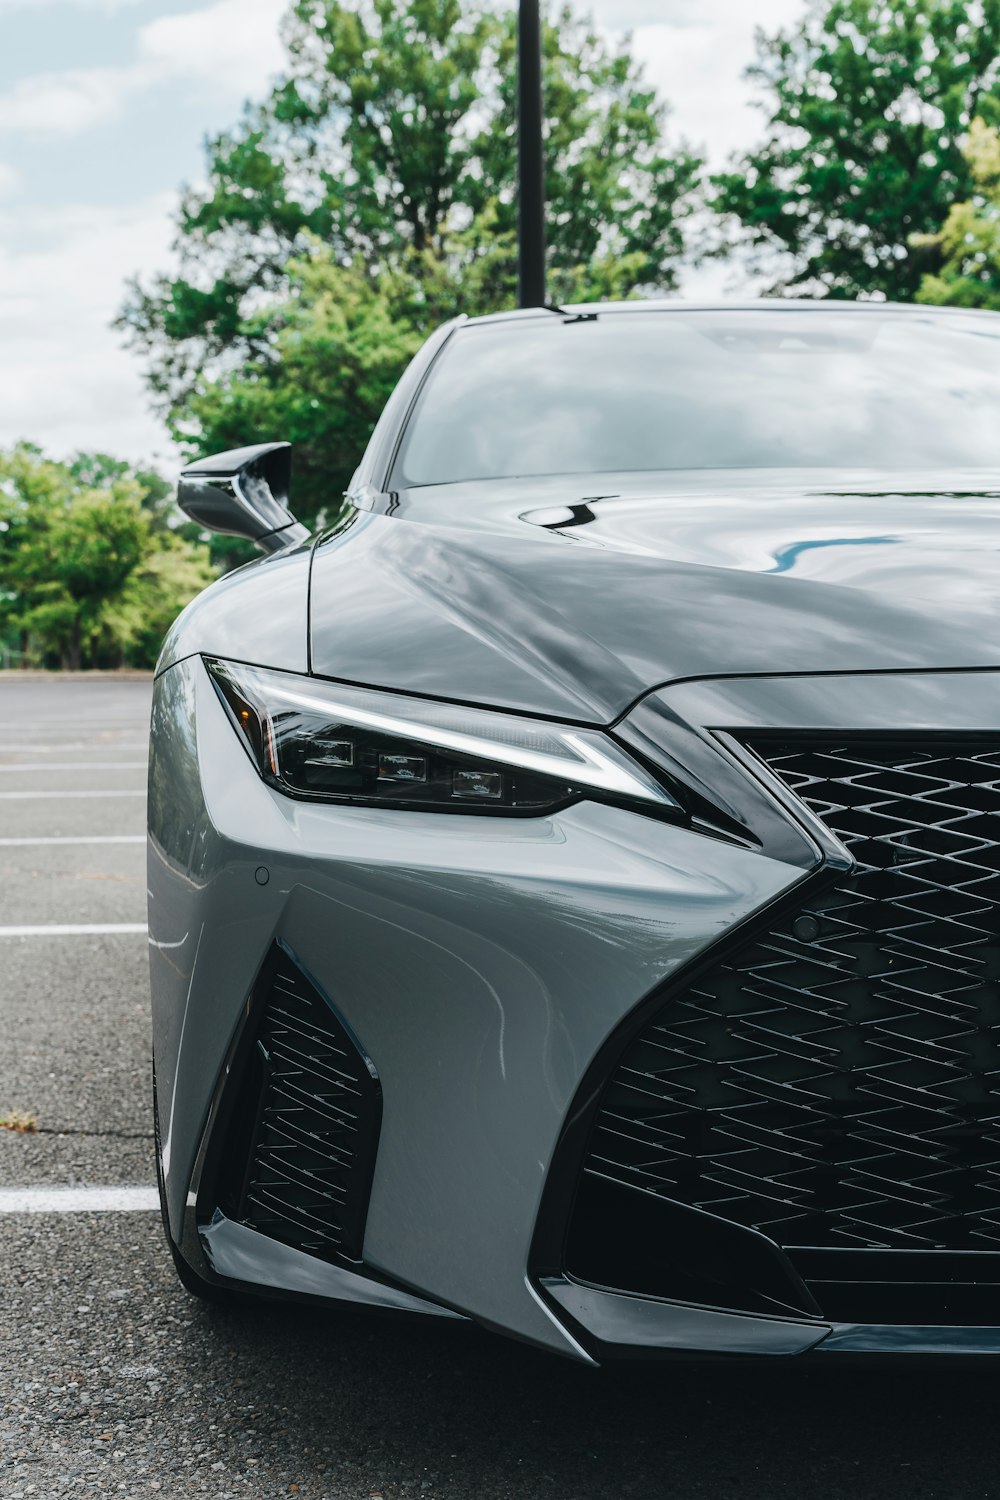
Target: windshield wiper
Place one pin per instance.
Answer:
(570, 314)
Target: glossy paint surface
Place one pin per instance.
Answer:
(573, 598)
(258, 613)
(243, 492)
(961, 701)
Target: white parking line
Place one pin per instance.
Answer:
(74, 765)
(46, 749)
(51, 796)
(72, 838)
(78, 1200)
(72, 929)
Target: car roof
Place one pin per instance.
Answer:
(756, 304)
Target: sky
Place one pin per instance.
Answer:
(104, 108)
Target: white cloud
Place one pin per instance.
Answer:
(62, 103)
(65, 380)
(231, 45)
(625, 15)
(697, 64)
(108, 5)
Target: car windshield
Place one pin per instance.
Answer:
(774, 387)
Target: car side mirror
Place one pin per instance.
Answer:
(244, 493)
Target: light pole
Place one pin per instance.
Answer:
(530, 157)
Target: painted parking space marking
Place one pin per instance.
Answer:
(51, 796)
(74, 765)
(73, 929)
(75, 838)
(51, 746)
(78, 1200)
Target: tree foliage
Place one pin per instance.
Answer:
(867, 105)
(968, 243)
(390, 141)
(92, 575)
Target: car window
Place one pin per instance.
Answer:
(764, 388)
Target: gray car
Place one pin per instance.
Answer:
(575, 874)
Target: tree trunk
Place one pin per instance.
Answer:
(72, 656)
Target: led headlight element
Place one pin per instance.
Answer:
(325, 740)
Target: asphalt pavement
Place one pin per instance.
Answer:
(114, 1382)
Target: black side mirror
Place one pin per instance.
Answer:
(244, 493)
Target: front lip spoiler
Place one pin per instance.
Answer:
(620, 1324)
(238, 1255)
(903, 1338)
(619, 1321)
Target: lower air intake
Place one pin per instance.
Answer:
(301, 1143)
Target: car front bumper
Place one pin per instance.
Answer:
(488, 968)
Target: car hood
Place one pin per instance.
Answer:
(573, 598)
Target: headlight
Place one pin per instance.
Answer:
(325, 740)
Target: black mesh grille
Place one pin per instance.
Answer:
(835, 1082)
(306, 1125)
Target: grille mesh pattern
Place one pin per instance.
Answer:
(836, 1081)
(318, 1111)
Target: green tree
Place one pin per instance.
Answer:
(867, 102)
(968, 243)
(98, 470)
(89, 578)
(390, 141)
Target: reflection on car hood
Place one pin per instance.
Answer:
(573, 597)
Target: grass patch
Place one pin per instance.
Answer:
(20, 1121)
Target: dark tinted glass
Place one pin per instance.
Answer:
(767, 388)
